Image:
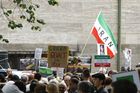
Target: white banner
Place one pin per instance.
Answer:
(38, 53)
(128, 55)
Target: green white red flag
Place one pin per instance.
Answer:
(103, 35)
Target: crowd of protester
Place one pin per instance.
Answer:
(70, 83)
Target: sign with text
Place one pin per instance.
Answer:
(102, 61)
(131, 76)
(58, 56)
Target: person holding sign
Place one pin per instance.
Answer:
(124, 86)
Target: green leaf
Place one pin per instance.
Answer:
(6, 14)
(12, 24)
(37, 6)
(23, 6)
(30, 7)
(1, 36)
(9, 11)
(19, 25)
(53, 2)
(41, 21)
(5, 40)
(18, 2)
(36, 28)
(22, 17)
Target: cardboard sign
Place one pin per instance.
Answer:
(58, 56)
(132, 76)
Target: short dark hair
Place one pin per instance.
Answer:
(108, 81)
(33, 84)
(100, 76)
(124, 86)
(20, 85)
(15, 77)
(85, 87)
(74, 80)
(37, 76)
(86, 73)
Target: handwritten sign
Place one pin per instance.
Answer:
(58, 56)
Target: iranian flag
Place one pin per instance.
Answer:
(103, 35)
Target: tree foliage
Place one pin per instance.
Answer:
(27, 11)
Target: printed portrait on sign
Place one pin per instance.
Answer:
(101, 49)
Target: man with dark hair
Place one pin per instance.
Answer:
(73, 85)
(37, 76)
(99, 79)
(85, 87)
(124, 86)
(86, 75)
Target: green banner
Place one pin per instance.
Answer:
(102, 57)
(45, 70)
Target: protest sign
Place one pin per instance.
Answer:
(131, 76)
(128, 55)
(58, 56)
(102, 61)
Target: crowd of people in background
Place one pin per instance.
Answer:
(70, 83)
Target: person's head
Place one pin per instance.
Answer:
(99, 79)
(15, 78)
(20, 85)
(40, 88)
(84, 87)
(37, 76)
(24, 78)
(62, 88)
(108, 81)
(52, 88)
(30, 77)
(33, 84)
(92, 79)
(124, 86)
(111, 72)
(9, 71)
(67, 79)
(2, 78)
(86, 74)
(73, 83)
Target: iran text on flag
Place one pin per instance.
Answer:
(103, 35)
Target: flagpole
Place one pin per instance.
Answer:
(85, 45)
(88, 37)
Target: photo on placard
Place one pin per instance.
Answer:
(27, 64)
(101, 49)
